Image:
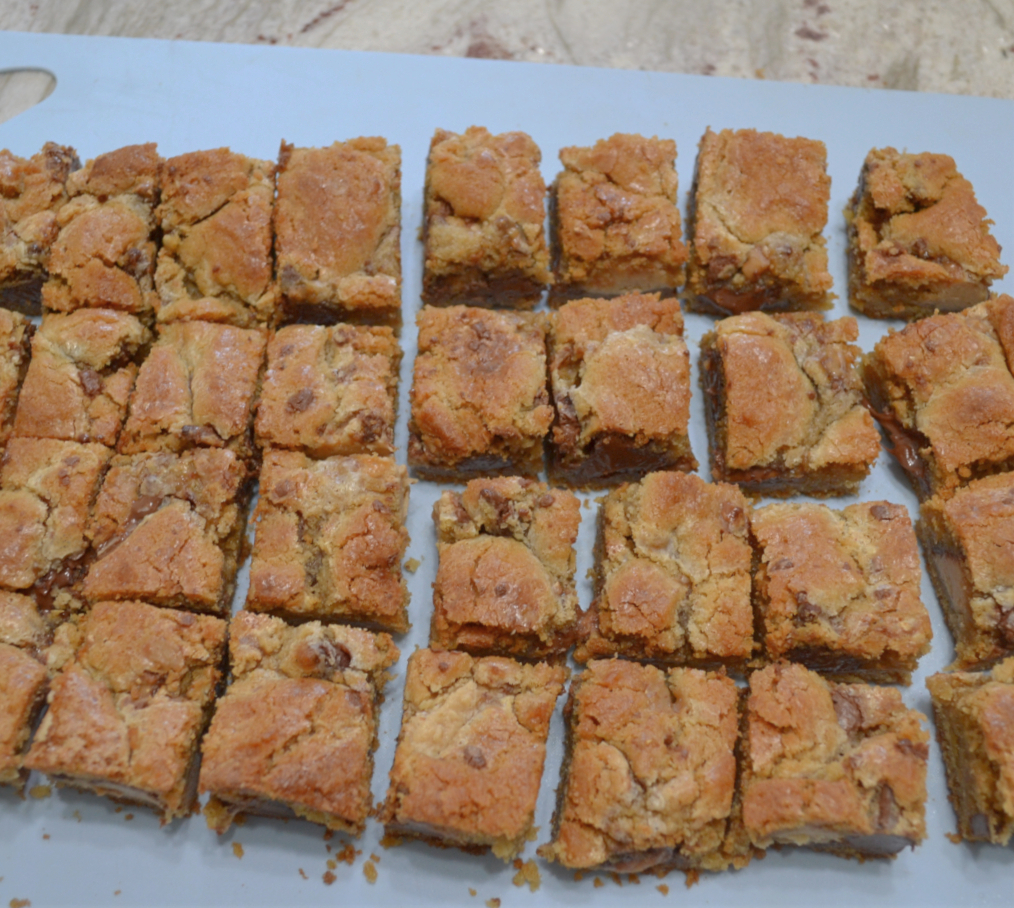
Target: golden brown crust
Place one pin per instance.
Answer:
(330, 390)
(330, 539)
(759, 211)
(479, 398)
(215, 258)
(471, 750)
(15, 352)
(918, 239)
(484, 211)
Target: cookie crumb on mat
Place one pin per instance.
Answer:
(528, 872)
(329, 878)
(40, 791)
(370, 872)
(663, 888)
(237, 849)
(412, 565)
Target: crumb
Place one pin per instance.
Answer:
(328, 847)
(45, 835)
(412, 565)
(118, 809)
(528, 872)
(27, 903)
(661, 887)
(471, 891)
(585, 503)
(129, 816)
(616, 879)
(329, 878)
(693, 877)
(370, 872)
(598, 882)
(117, 891)
(40, 791)
(374, 858)
(347, 854)
(492, 903)
(76, 815)
(391, 841)
(578, 876)
(532, 834)
(237, 849)
(518, 863)
(953, 836)
(634, 878)
(328, 835)
(302, 873)
(332, 864)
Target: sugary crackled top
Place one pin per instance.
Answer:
(761, 207)
(131, 170)
(917, 219)
(846, 580)
(807, 411)
(623, 365)
(485, 204)
(15, 331)
(676, 566)
(826, 760)
(21, 624)
(652, 764)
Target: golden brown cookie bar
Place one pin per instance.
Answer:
(82, 371)
(505, 583)
(104, 255)
(480, 404)
(128, 707)
(337, 225)
(330, 540)
(759, 208)
(294, 734)
(215, 257)
(649, 771)
(974, 717)
(968, 541)
(469, 760)
(918, 239)
(16, 333)
(620, 374)
(942, 390)
(784, 405)
(614, 219)
(833, 767)
(330, 391)
(197, 388)
(168, 528)
(483, 234)
(672, 574)
(838, 591)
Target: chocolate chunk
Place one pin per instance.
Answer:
(848, 710)
(882, 511)
(733, 519)
(371, 428)
(887, 809)
(91, 381)
(806, 611)
(782, 564)
(324, 657)
(500, 505)
(474, 757)
(300, 401)
(201, 435)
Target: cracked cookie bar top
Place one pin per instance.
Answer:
(470, 753)
(16, 333)
(758, 211)
(294, 734)
(918, 239)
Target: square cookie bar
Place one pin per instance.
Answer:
(198, 388)
(483, 235)
(104, 255)
(620, 373)
(649, 771)
(784, 405)
(505, 583)
(943, 392)
(918, 239)
(168, 528)
(471, 749)
(614, 219)
(330, 540)
(974, 716)
(32, 191)
(215, 258)
(15, 352)
(758, 212)
(968, 541)
(330, 390)
(480, 404)
(834, 767)
(294, 734)
(23, 639)
(838, 591)
(81, 374)
(672, 574)
(129, 705)
(337, 225)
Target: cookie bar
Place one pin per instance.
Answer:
(214, 262)
(32, 191)
(838, 591)
(330, 391)
(918, 240)
(974, 717)
(483, 236)
(480, 404)
(15, 352)
(330, 540)
(758, 212)
(943, 392)
(614, 219)
(168, 528)
(104, 255)
(294, 734)
(649, 772)
(833, 767)
(470, 753)
(81, 374)
(784, 405)
(505, 583)
(672, 574)
(337, 226)
(620, 374)
(128, 707)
